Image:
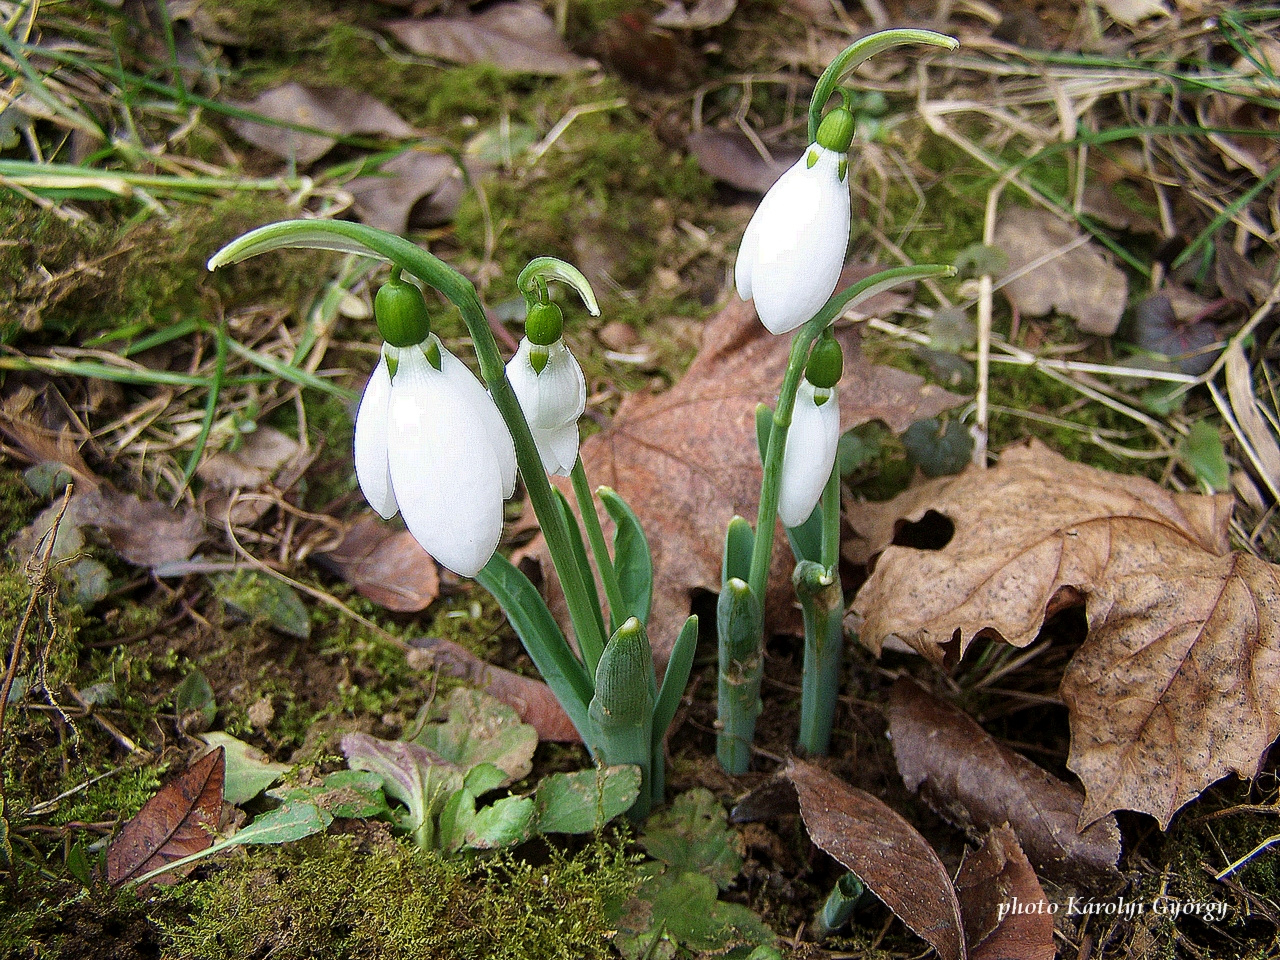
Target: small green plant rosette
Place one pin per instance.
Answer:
(401, 312)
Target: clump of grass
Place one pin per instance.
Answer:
(327, 897)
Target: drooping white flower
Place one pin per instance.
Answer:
(793, 249)
(810, 452)
(552, 399)
(431, 444)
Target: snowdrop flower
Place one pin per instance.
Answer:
(793, 249)
(429, 441)
(810, 451)
(549, 384)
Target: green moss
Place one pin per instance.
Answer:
(608, 189)
(121, 277)
(328, 898)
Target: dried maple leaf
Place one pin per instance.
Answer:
(178, 821)
(686, 460)
(1178, 681)
(1004, 907)
(977, 783)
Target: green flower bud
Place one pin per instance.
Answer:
(836, 130)
(544, 324)
(826, 362)
(401, 312)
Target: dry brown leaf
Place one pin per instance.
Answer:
(252, 464)
(1258, 441)
(335, 110)
(385, 564)
(730, 157)
(686, 460)
(1004, 907)
(698, 16)
(888, 855)
(384, 200)
(1069, 274)
(530, 698)
(514, 37)
(266, 455)
(1177, 684)
(178, 821)
(1178, 681)
(977, 783)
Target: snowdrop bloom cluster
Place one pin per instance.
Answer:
(810, 451)
(793, 249)
(549, 384)
(429, 441)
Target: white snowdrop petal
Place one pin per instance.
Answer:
(809, 455)
(443, 466)
(798, 236)
(562, 388)
(372, 470)
(553, 397)
(485, 412)
(558, 448)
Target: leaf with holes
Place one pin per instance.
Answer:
(1178, 681)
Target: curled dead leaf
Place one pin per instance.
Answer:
(385, 564)
(430, 182)
(1178, 681)
(977, 783)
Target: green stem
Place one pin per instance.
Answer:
(856, 53)
(831, 518)
(740, 629)
(822, 606)
(595, 535)
(767, 516)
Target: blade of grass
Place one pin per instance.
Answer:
(210, 407)
(291, 373)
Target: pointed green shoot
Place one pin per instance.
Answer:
(738, 542)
